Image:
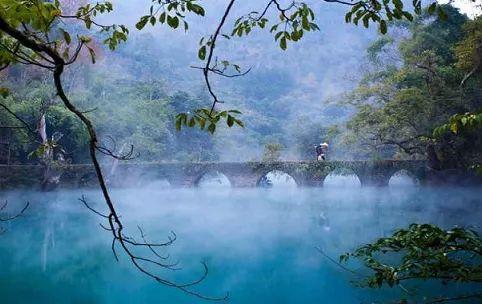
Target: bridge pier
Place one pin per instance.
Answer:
(374, 180)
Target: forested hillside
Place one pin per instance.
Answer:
(403, 89)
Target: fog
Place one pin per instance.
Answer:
(259, 244)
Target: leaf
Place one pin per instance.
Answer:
(348, 17)
(201, 122)
(192, 122)
(239, 123)
(92, 54)
(173, 21)
(67, 37)
(408, 15)
(454, 128)
(202, 52)
(142, 22)
(212, 128)
(230, 121)
(282, 43)
(162, 17)
(383, 26)
(398, 4)
(197, 9)
(365, 20)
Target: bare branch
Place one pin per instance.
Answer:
(84, 201)
(213, 40)
(18, 214)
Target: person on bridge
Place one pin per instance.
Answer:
(321, 151)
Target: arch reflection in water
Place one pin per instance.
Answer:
(278, 179)
(403, 178)
(213, 179)
(342, 178)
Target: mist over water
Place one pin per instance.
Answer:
(259, 244)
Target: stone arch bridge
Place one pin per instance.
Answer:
(240, 174)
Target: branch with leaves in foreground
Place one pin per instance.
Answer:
(423, 252)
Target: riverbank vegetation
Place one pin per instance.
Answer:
(423, 74)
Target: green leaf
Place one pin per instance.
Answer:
(348, 17)
(282, 43)
(408, 15)
(202, 52)
(142, 22)
(383, 26)
(173, 21)
(192, 122)
(230, 121)
(197, 9)
(212, 128)
(67, 37)
(239, 123)
(162, 17)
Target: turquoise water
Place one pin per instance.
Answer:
(259, 244)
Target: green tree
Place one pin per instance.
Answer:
(400, 105)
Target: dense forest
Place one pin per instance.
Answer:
(416, 83)
(384, 102)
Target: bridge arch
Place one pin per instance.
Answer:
(342, 176)
(213, 178)
(276, 176)
(404, 177)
